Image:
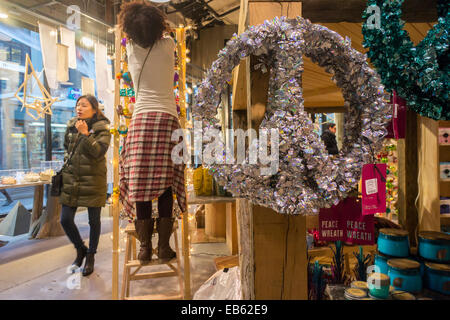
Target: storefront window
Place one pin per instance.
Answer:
(22, 138)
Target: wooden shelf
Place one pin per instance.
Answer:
(445, 219)
(444, 187)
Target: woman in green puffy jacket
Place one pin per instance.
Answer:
(86, 141)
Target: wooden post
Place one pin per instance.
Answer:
(181, 48)
(115, 197)
(429, 178)
(407, 178)
(272, 247)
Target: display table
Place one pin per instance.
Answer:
(41, 225)
(220, 221)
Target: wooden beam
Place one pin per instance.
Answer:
(329, 11)
(320, 91)
(259, 11)
(244, 218)
(181, 49)
(279, 243)
(239, 88)
(341, 109)
(115, 198)
(407, 177)
(241, 103)
(272, 247)
(324, 104)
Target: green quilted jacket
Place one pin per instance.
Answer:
(84, 176)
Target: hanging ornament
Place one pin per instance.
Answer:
(40, 106)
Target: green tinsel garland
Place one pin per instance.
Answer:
(419, 74)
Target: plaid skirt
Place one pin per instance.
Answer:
(146, 169)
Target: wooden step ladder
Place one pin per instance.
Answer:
(128, 274)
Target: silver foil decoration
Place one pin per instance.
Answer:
(308, 178)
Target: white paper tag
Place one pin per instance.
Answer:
(395, 110)
(371, 186)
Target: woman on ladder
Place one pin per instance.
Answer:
(146, 168)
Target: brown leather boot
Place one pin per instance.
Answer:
(144, 230)
(164, 227)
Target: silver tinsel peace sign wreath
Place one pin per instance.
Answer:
(307, 178)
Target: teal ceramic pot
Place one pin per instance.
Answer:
(393, 242)
(405, 275)
(381, 262)
(421, 261)
(378, 284)
(437, 277)
(434, 246)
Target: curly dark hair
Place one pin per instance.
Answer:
(142, 22)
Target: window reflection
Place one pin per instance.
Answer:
(22, 138)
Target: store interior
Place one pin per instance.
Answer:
(241, 237)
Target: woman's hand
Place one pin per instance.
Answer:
(82, 127)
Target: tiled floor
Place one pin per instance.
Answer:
(37, 269)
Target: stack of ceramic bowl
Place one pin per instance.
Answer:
(355, 294)
(360, 285)
(434, 249)
(402, 295)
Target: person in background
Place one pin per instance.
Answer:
(329, 138)
(84, 176)
(146, 168)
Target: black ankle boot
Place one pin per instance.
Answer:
(165, 229)
(144, 231)
(81, 253)
(89, 265)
